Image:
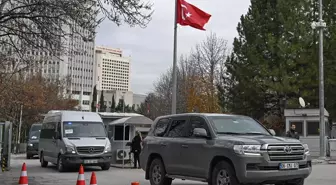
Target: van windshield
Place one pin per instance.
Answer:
(35, 128)
(83, 129)
(34, 135)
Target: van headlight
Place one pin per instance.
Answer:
(70, 149)
(247, 149)
(306, 149)
(30, 144)
(108, 148)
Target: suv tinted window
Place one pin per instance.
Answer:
(179, 128)
(198, 122)
(161, 127)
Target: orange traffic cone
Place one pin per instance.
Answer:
(93, 180)
(81, 178)
(135, 183)
(23, 178)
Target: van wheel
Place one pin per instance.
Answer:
(223, 174)
(44, 163)
(106, 166)
(157, 173)
(60, 165)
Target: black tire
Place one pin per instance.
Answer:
(226, 173)
(44, 163)
(60, 165)
(157, 173)
(106, 166)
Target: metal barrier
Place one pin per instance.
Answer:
(5, 144)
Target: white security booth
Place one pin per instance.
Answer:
(307, 122)
(121, 129)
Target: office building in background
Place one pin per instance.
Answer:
(112, 75)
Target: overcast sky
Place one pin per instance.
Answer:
(151, 49)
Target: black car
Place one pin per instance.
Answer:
(33, 140)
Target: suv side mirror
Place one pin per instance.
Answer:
(272, 132)
(200, 132)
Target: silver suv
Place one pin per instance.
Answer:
(222, 150)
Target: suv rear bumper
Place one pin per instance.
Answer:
(256, 169)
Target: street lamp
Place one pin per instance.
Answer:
(321, 25)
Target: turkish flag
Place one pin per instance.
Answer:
(190, 15)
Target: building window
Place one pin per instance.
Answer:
(118, 133)
(313, 128)
(299, 127)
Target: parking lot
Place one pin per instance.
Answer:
(323, 174)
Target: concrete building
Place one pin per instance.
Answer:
(112, 70)
(109, 94)
(112, 75)
(75, 65)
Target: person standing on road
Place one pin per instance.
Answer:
(136, 148)
(291, 132)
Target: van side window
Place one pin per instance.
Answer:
(161, 127)
(48, 130)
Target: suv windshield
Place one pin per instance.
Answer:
(34, 135)
(83, 129)
(237, 125)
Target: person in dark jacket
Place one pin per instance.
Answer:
(136, 148)
(291, 132)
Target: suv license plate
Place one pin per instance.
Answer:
(288, 166)
(90, 161)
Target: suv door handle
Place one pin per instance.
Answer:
(184, 146)
(163, 144)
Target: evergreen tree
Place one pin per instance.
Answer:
(120, 105)
(94, 99)
(113, 104)
(102, 102)
(273, 58)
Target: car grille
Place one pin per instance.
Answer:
(289, 152)
(90, 149)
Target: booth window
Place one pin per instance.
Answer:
(118, 133)
(313, 128)
(298, 127)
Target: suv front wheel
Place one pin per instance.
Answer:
(223, 174)
(157, 173)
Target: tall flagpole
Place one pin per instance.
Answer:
(174, 89)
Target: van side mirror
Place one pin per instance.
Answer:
(200, 132)
(57, 135)
(272, 132)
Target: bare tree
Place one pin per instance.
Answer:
(210, 56)
(45, 26)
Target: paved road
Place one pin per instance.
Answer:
(322, 175)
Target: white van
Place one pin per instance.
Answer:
(72, 138)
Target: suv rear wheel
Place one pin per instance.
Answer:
(157, 173)
(223, 174)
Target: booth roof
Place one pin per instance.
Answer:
(117, 114)
(134, 120)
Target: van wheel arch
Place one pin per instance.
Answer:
(149, 161)
(213, 163)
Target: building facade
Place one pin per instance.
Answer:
(112, 75)
(112, 70)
